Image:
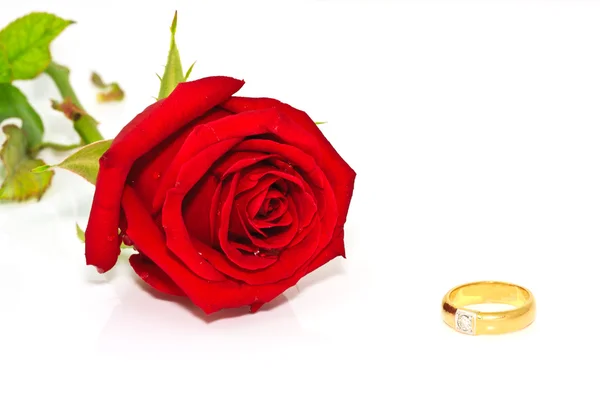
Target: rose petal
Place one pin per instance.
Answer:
(247, 124)
(143, 133)
(306, 206)
(318, 184)
(238, 126)
(251, 182)
(215, 210)
(271, 203)
(288, 262)
(246, 194)
(237, 230)
(259, 194)
(277, 241)
(197, 208)
(146, 172)
(241, 204)
(239, 104)
(273, 217)
(101, 247)
(250, 262)
(302, 162)
(282, 218)
(232, 127)
(334, 249)
(338, 172)
(178, 237)
(243, 246)
(210, 297)
(236, 161)
(154, 276)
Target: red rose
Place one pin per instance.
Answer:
(229, 200)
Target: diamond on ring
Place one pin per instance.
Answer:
(464, 322)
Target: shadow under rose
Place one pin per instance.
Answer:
(328, 271)
(143, 315)
(145, 319)
(187, 304)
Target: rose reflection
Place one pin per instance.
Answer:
(146, 322)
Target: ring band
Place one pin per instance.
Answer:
(457, 314)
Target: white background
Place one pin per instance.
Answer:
(474, 127)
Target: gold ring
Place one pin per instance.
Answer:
(459, 313)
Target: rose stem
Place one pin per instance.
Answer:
(86, 126)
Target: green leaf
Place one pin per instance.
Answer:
(4, 66)
(14, 104)
(189, 71)
(115, 93)
(26, 42)
(57, 146)
(84, 162)
(98, 81)
(109, 91)
(80, 233)
(173, 74)
(20, 183)
(41, 168)
(320, 123)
